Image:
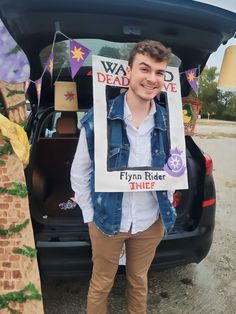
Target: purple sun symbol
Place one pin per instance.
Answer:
(175, 166)
(69, 96)
(175, 162)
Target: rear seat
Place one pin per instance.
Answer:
(53, 160)
(66, 125)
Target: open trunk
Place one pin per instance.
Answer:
(49, 180)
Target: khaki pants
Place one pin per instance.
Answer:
(140, 251)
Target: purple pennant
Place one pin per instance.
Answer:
(26, 86)
(192, 78)
(78, 55)
(50, 63)
(38, 85)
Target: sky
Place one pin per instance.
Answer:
(216, 58)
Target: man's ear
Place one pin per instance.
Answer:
(128, 70)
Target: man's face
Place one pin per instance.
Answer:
(146, 77)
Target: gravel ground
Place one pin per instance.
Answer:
(206, 288)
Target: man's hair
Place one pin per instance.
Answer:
(152, 48)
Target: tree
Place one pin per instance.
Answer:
(110, 52)
(228, 102)
(208, 92)
(61, 54)
(218, 103)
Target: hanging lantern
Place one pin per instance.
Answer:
(65, 96)
(227, 78)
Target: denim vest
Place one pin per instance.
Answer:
(108, 205)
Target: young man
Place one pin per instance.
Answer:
(137, 138)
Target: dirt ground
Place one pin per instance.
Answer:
(206, 288)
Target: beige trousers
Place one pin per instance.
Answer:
(140, 251)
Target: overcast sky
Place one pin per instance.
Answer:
(217, 57)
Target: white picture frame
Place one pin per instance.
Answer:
(111, 72)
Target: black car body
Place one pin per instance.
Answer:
(193, 30)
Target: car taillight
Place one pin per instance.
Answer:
(177, 197)
(208, 164)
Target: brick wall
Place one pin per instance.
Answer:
(16, 270)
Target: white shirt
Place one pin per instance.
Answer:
(139, 209)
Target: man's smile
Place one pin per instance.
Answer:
(150, 87)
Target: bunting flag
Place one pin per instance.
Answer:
(192, 78)
(13, 58)
(50, 63)
(38, 85)
(26, 86)
(78, 54)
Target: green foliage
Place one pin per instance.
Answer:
(216, 102)
(26, 251)
(15, 229)
(12, 92)
(14, 50)
(60, 51)
(29, 292)
(6, 149)
(110, 52)
(20, 189)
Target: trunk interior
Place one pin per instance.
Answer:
(49, 181)
(49, 178)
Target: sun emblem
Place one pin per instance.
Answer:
(51, 66)
(175, 162)
(174, 165)
(39, 88)
(78, 54)
(191, 76)
(69, 95)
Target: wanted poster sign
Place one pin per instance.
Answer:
(112, 72)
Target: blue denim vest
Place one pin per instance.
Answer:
(108, 206)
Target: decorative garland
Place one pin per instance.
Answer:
(14, 50)
(20, 189)
(29, 292)
(15, 229)
(26, 251)
(12, 107)
(6, 149)
(12, 92)
(23, 123)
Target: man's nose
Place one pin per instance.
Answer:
(151, 77)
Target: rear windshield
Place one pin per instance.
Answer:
(98, 47)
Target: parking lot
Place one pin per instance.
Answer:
(206, 288)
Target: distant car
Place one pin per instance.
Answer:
(193, 30)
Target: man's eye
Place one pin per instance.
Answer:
(144, 69)
(160, 74)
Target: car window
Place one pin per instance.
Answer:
(99, 47)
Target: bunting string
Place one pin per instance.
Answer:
(78, 54)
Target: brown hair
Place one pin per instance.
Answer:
(152, 48)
